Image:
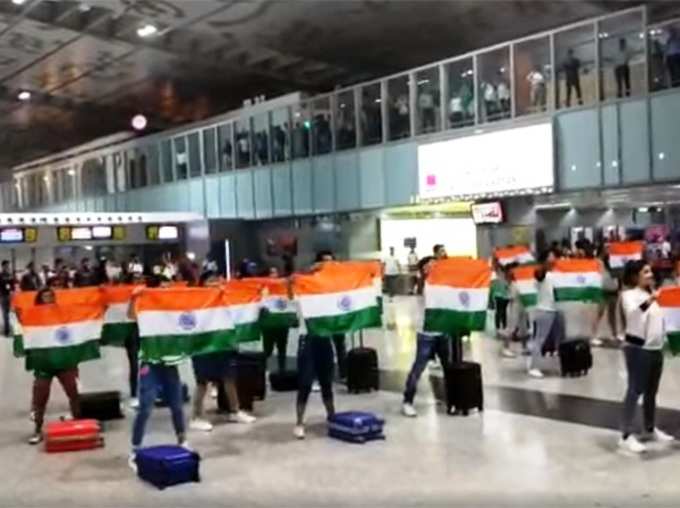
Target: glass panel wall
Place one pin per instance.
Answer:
(261, 138)
(461, 90)
(142, 161)
(181, 158)
(243, 143)
(398, 116)
(576, 55)
(210, 150)
(152, 169)
(371, 115)
(225, 144)
(345, 121)
(194, 154)
(301, 130)
(132, 171)
(664, 51)
(322, 139)
(493, 69)
(428, 101)
(280, 134)
(622, 56)
(533, 76)
(166, 161)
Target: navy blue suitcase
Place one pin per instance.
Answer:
(167, 465)
(356, 426)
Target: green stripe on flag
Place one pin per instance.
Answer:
(18, 346)
(248, 332)
(528, 300)
(453, 321)
(278, 320)
(674, 343)
(160, 347)
(55, 359)
(344, 323)
(587, 294)
(115, 334)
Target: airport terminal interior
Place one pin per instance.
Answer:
(329, 253)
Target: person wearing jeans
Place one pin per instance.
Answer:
(42, 385)
(428, 344)
(315, 361)
(645, 335)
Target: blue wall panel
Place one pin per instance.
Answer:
(245, 205)
(212, 196)
(610, 145)
(347, 195)
(665, 137)
(372, 180)
(634, 142)
(323, 196)
(578, 150)
(283, 197)
(401, 173)
(302, 186)
(196, 196)
(263, 192)
(228, 195)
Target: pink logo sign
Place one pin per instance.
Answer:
(431, 180)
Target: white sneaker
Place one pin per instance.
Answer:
(31, 416)
(134, 403)
(35, 438)
(507, 353)
(185, 444)
(299, 431)
(657, 435)
(408, 410)
(241, 417)
(596, 342)
(132, 462)
(316, 387)
(535, 373)
(200, 425)
(632, 445)
(213, 392)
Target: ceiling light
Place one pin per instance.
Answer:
(71, 172)
(18, 2)
(139, 122)
(662, 156)
(84, 7)
(643, 209)
(147, 30)
(24, 95)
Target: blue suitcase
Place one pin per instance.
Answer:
(167, 465)
(356, 426)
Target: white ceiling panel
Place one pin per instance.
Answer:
(170, 13)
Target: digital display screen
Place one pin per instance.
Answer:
(487, 213)
(168, 233)
(81, 234)
(11, 235)
(30, 235)
(119, 232)
(102, 232)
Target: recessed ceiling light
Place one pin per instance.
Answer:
(139, 122)
(18, 2)
(147, 30)
(24, 95)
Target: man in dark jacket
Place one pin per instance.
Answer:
(30, 281)
(6, 289)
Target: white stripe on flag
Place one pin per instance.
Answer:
(62, 335)
(337, 304)
(459, 299)
(526, 286)
(671, 317)
(245, 313)
(619, 260)
(278, 304)
(165, 322)
(576, 279)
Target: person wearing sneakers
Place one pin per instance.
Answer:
(500, 291)
(645, 335)
(43, 382)
(154, 376)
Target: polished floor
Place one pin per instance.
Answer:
(549, 442)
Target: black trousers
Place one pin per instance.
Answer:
(501, 313)
(4, 301)
(574, 84)
(275, 337)
(622, 74)
(341, 354)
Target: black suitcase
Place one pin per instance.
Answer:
(251, 382)
(285, 381)
(464, 387)
(362, 370)
(100, 406)
(160, 396)
(576, 359)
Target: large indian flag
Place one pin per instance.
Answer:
(669, 301)
(524, 281)
(280, 310)
(519, 254)
(60, 336)
(622, 252)
(456, 295)
(338, 298)
(577, 280)
(118, 327)
(243, 297)
(178, 322)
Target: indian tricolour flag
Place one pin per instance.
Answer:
(622, 252)
(279, 309)
(669, 301)
(519, 254)
(456, 295)
(118, 326)
(337, 299)
(524, 281)
(243, 297)
(60, 336)
(577, 280)
(178, 322)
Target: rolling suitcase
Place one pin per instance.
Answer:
(464, 390)
(362, 368)
(285, 381)
(356, 426)
(160, 397)
(72, 435)
(164, 466)
(101, 406)
(576, 359)
(251, 382)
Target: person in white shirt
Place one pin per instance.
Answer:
(645, 335)
(391, 272)
(537, 90)
(666, 248)
(622, 69)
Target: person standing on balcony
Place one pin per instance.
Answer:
(621, 69)
(572, 69)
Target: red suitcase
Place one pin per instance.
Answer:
(73, 435)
